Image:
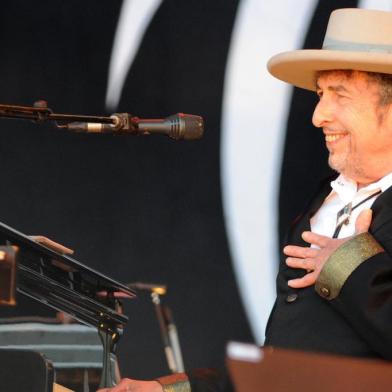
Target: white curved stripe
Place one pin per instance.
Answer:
(134, 19)
(382, 5)
(253, 124)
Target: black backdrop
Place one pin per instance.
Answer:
(137, 209)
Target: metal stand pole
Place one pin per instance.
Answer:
(110, 375)
(169, 335)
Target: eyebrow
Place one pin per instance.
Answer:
(337, 88)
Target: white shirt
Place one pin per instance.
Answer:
(343, 192)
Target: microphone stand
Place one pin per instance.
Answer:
(119, 123)
(169, 335)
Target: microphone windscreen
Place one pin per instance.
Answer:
(186, 126)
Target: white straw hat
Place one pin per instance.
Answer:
(356, 39)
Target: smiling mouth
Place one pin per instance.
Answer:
(335, 137)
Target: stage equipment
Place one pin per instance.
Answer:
(169, 335)
(74, 350)
(279, 370)
(179, 126)
(65, 284)
(7, 275)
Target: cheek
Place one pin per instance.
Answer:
(362, 145)
(370, 144)
(364, 137)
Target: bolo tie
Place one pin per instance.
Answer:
(343, 216)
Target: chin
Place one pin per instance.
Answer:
(353, 172)
(336, 164)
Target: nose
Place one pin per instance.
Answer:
(323, 113)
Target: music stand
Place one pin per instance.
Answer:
(67, 285)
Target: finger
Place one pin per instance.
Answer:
(52, 244)
(305, 281)
(300, 251)
(315, 239)
(112, 389)
(363, 221)
(125, 384)
(306, 264)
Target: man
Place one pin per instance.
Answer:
(335, 280)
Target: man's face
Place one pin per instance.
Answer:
(358, 130)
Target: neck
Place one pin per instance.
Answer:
(362, 185)
(365, 180)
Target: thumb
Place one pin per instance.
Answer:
(363, 221)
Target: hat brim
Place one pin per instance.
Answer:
(299, 67)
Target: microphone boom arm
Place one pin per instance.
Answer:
(40, 113)
(178, 126)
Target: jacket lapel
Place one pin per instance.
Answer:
(382, 210)
(302, 222)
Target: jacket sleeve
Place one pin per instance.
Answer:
(197, 380)
(357, 280)
(210, 380)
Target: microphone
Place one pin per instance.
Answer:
(178, 126)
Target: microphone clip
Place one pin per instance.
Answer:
(122, 123)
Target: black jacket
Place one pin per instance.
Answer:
(356, 323)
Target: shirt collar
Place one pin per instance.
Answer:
(347, 189)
